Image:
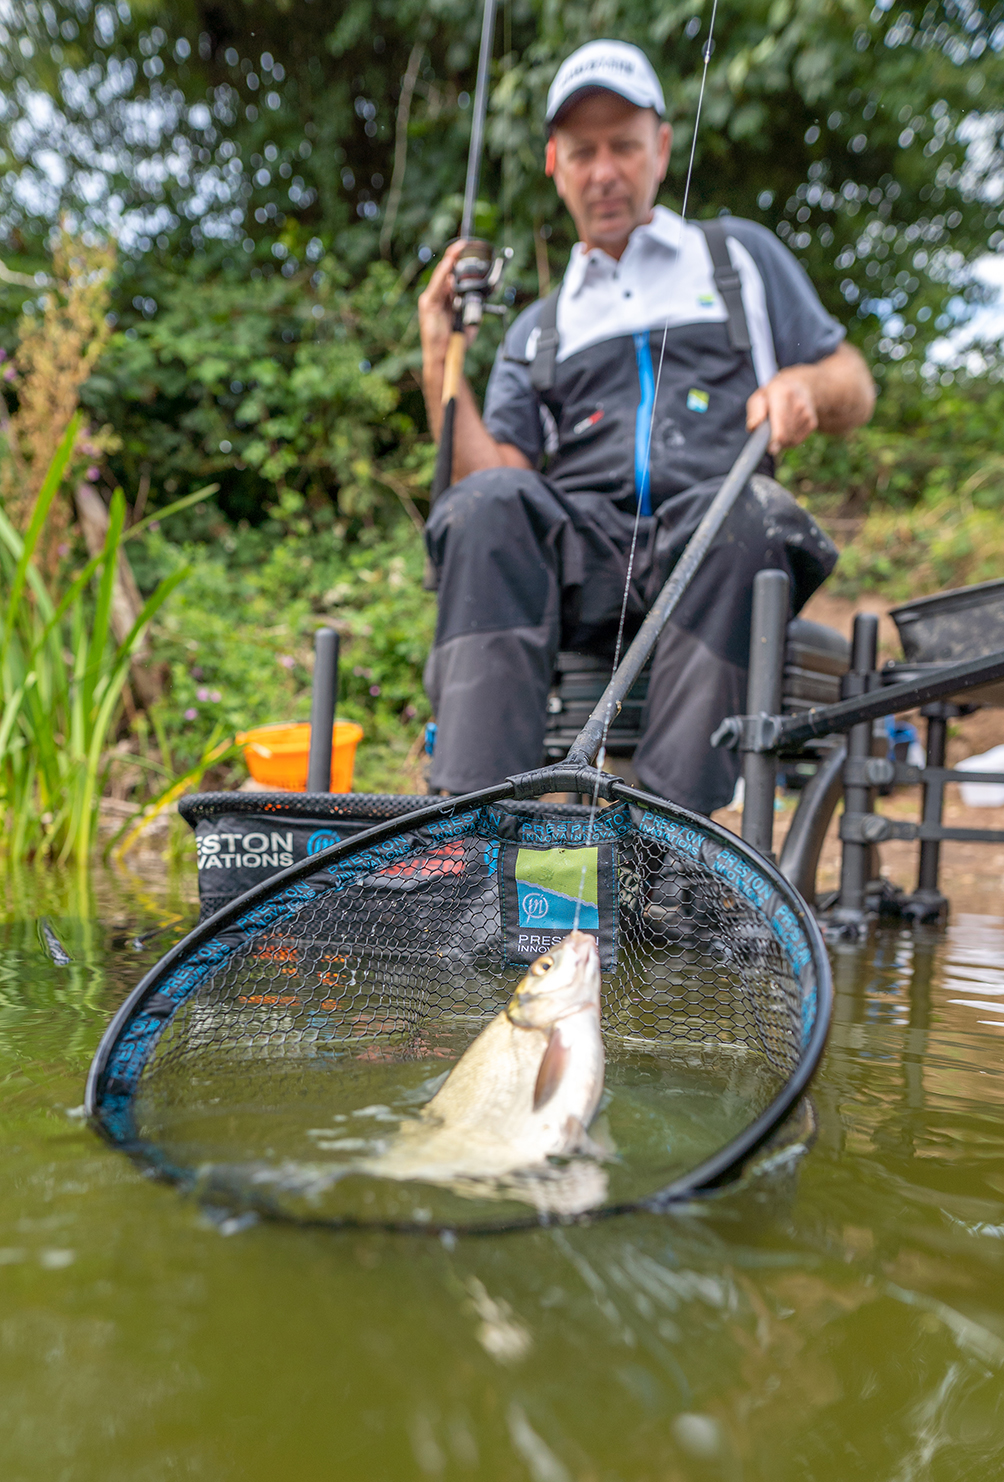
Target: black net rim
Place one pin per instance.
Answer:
(378, 806)
(709, 1175)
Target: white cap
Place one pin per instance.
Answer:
(614, 65)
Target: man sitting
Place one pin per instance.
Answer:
(623, 399)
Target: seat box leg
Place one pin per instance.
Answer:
(768, 633)
(855, 857)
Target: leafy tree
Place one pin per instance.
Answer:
(259, 162)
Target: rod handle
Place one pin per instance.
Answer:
(442, 476)
(453, 366)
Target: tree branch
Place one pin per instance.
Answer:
(400, 146)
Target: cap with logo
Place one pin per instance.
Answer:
(614, 65)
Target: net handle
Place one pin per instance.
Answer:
(587, 743)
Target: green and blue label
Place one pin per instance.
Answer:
(546, 893)
(557, 889)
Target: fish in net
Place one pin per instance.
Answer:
(273, 1057)
(277, 1058)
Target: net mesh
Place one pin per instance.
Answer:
(266, 1065)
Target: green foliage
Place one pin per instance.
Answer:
(926, 443)
(238, 640)
(902, 556)
(272, 386)
(61, 678)
(250, 299)
(915, 498)
(296, 170)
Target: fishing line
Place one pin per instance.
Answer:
(708, 48)
(609, 716)
(507, 150)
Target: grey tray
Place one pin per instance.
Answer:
(962, 624)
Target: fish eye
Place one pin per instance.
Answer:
(542, 965)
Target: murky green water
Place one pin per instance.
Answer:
(853, 1329)
(289, 1131)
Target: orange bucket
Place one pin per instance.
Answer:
(277, 755)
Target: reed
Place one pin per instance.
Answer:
(61, 679)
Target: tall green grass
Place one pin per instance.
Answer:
(61, 681)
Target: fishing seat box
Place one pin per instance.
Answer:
(815, 658)
(244, 838)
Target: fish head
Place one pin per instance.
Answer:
(560, 983)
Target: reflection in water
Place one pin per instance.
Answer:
(974, 966)
(853, 1330)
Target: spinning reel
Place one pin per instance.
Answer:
(477, 273)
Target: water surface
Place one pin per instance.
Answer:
(848, 1325)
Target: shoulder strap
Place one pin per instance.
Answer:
(545, 360)
(727, 282)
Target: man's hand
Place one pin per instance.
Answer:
(835, 394)
(435, 309)
(473, 447)
(788, 401)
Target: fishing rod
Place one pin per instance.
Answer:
(477, 272)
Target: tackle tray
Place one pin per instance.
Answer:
(965, 623)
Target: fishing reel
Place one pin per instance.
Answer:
(477, 273)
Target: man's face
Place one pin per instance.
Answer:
(609, 160)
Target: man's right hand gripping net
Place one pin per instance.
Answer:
(272, 1054)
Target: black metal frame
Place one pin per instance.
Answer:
(851, 770)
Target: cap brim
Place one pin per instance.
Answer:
(567, 104)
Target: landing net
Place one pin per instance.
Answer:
(288, 1037)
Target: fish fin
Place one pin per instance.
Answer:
(552, 1068)
(579, 1141)
(601, 1138)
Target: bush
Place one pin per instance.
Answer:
(238, 640)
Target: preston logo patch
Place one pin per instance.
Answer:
(546, 893)
(697, 401)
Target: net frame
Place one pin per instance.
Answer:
(131, 1037)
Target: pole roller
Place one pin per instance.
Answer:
(322, 710)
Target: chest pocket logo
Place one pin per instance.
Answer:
(697, 401)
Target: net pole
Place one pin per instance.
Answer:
(322, 710)
(587, 743)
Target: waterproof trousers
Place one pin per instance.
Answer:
(524, 570)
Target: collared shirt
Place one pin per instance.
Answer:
(663, 279)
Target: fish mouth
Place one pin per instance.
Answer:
(554, 991)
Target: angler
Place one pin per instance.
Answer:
(614, 410)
